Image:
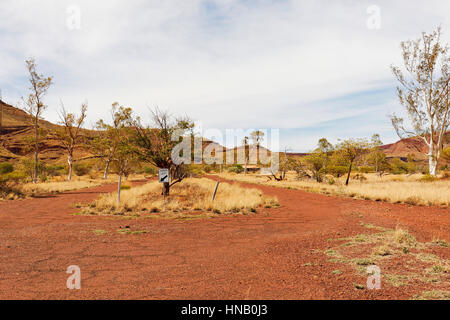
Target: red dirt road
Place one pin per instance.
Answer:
(269, 255)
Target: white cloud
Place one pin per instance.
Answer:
(226, 63)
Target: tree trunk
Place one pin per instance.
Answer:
(245, 168)
(166, 188)
(36, 151)
(257, 154)
(119, 185)
(69, 160)
(432, 164)
(105, 174)
(349, 171)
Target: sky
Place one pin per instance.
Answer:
(309, 69)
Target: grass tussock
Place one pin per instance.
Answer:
(189, 195)
(413, 190)
(404, 238)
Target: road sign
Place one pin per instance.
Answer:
(163, 175)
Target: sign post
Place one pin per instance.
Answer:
(163, 175)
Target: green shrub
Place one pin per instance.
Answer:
(365, 169)
(398, 166)
(336, 171)
(6, 167)
(412, 167)
(237, 168)
(81, 169)
(54, 170)
(27, 166)
(13, 176)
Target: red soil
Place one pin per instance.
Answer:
(267, 255)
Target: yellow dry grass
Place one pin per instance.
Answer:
(60, 183)
(392, 188)
(189, 195)
(52, 187)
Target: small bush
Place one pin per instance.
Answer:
(6, 167)
(81, 169)
(399, 167)
(336, 171)
(237, 168)
(13, 176)
(54, 170)
(365, 169)
(28, 167)
(402, 236)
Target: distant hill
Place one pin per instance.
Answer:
(16, 126)
(14, 118)
(411, 146)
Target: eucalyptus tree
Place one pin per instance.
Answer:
(423, 92)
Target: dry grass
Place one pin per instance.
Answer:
(433, 295)
(60, 183)
(416, 259)
(52, 187)
(189, 195)
(387, 241)
(10, 190)
(392, 188)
